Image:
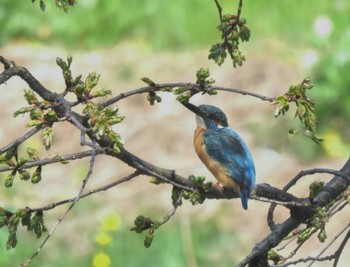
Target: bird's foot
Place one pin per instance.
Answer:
(219, 185)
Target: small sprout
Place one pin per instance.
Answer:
(148, 81)
(91, 81)
(22, 111)
(50, 116)
(274, 256)
(32, 153)
(149, 238)
(36, 114)
(315, 188)
(155, 180)
(8, 155)
(35, 123)
(30, 96)
(24, 175)
(304, 235)
(142, 223)
(152, 97)
(322, 235)
(218, 53)
(37, 224)
(48, 135)
(62, 64)
(9, 180)
(101, 93)
(36, 176)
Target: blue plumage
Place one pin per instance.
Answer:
(224, 152)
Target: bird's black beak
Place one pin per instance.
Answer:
(196, 110)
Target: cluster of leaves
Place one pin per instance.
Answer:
(62, 4)
(183, 93)
(41, 113)
(233, 30)
(143, 223)
(100, 118)
(34, 223)
(195, 197)
(305, 107)
(10, 158)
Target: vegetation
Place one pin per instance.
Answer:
(97, 120)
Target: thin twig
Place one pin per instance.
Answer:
(340, 249)
(239, 10)
(330, 243)
(218, 6)
(191, 86)
(22, 138)
(152, 173)
(76, 199)
(326, 258)
(90, 192)
(57, 159)
(314, 171)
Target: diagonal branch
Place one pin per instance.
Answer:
(258, 256)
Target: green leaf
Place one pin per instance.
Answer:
(42, 5)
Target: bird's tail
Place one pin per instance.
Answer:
(244, 198)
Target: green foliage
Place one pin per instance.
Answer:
(62, 4)
(33, 223)
(315, 188)
(305, 107)
(233, 30)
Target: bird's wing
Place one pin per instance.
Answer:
(228, 148)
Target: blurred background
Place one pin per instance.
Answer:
(169, 41)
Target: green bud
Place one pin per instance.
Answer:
(22, 111)
(315, 188)
(69, 60)
(36, 114)
(115, 120)
(91, 81)
(32, 153)
(30, 96)
(34, 123)
(21, 162)
(149, 238)
(61, 63)
(116, 149)
(48, 135)
(50, 116)
(101, 93)
(24, 175)
(36, 176)
(322, 235)
(9, 180)
(148, 81)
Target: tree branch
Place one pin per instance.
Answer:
(258, 256)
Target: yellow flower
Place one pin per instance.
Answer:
(110, 223)
(101, 260)
(102, 238)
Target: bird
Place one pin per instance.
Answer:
(223, 151)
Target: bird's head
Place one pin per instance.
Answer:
(208, 116)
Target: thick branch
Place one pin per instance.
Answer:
(11, 69)
(258, 256)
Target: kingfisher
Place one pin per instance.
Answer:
(223, 151)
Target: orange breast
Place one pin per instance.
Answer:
(217, 169)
